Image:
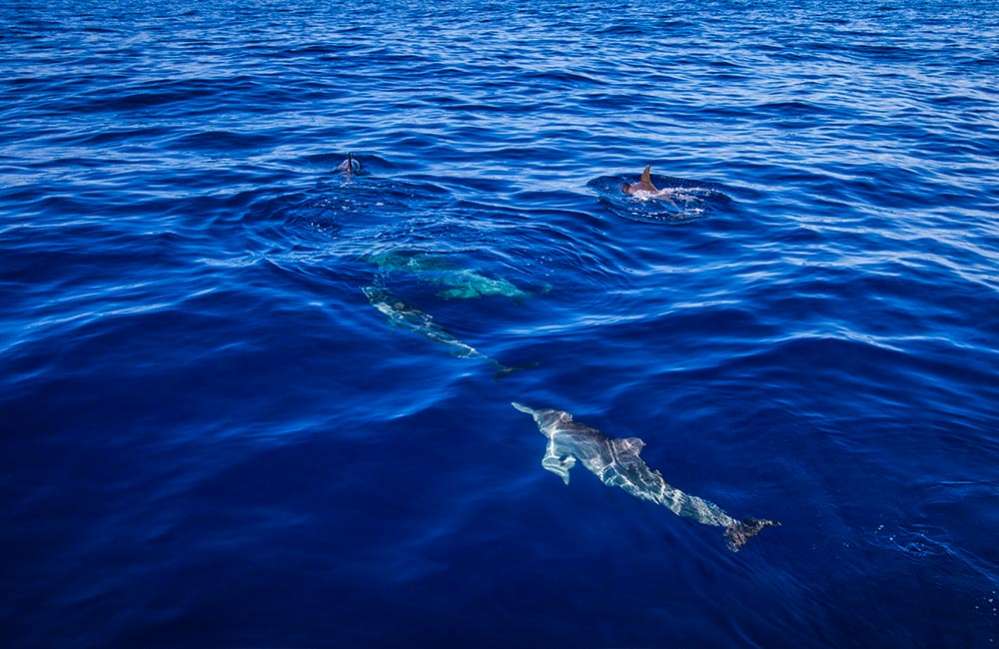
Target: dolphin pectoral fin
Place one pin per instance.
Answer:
(559, 466)
(567, 463)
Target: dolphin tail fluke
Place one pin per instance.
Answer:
(739, 533)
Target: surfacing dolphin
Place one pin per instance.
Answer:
(645, 189)
(644, 185)
(350, 166)
(403, 315)
(617, 462)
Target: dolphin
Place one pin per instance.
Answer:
(401, 314)
(455, 283)
(350, 166)
(617, 462)
(645, 184)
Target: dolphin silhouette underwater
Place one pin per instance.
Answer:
(403, 315)
(617, 462)
(457, 283)
(350, 166)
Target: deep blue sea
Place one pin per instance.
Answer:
(250, 400)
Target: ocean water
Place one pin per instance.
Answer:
(237, 397)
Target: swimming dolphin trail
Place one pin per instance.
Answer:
(417, 321)
(617, 462)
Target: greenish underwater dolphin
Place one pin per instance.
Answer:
(617, 462)
(456, 283)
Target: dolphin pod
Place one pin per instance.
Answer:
(618, 463)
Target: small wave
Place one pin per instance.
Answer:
(624, 29)
(564, 77)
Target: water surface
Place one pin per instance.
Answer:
(212, 438)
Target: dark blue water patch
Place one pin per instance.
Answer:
(301, 215)
(220, 141)
(343, 199)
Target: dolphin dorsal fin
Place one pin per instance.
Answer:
(647, 174)
(628, 446)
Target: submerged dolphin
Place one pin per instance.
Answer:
(423, 323)
(617, 463)
(456, 283)
(350, 166)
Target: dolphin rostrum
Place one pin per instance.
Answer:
(423, 323)
(617, 462)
